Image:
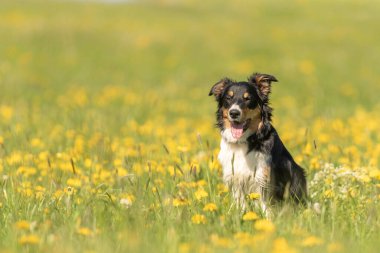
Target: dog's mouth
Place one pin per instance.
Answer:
(238, 128)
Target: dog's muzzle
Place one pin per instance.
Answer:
(234, 113)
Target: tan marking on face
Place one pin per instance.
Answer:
(227, 123)
(255, 116)
(245, 95)
(230, 93)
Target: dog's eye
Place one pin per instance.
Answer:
(246, 96)
(228, 97)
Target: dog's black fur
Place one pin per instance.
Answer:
(289, 177)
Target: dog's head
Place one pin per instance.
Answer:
(242, 106)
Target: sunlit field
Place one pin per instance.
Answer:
(107, 137)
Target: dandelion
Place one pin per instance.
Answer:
(210, 207)
(311, 241)
(29, 240)
(6, 112)
(201, 183)
(74, 182)
(177, 202)
(243, 238)
(221, 242)
(26, 171)
(85, 231)
(214, 165)
(280, 245)
(221, 188)
(334, 247)
(183, 149)
(265, 226)
(329, 194)
(184, 248)
(36, 143)
(375, 174)
(22, 225)
(198, 219)
(254, 196)
(200, 194)
(250, 216)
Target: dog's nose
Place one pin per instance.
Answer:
(234, 114)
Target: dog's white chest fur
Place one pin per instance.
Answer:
(245, 172)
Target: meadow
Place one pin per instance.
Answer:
(107, 137)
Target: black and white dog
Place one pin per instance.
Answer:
(253, 157)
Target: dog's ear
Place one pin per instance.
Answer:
(263, 82)
(218, 88)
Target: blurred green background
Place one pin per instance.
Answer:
(325, 53)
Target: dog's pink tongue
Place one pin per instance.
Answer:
(237, 130)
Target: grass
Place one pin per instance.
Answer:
(106, 130)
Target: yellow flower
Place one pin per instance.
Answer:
(221, 242)
(182, 149)
(329, 194)
(222, 188)
(74, 182)
(334, 247)
(307, 150)
(184, 248)
(200, 194)
(36, 143)
(6, 112)
(57, 194)
(254, 196)
(198, 219)
(375, 174)
(117, 162)
(29, 239)
(280, 245)
(250, 216)
(264, 226)
(201, 183)
(87, 163)
(210, 207)
(85, 231)
(243, 238)
(22, 224)
(26, 171)
(180, 202)
(214, 165)
(311, 241)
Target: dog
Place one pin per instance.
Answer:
(252, 155)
